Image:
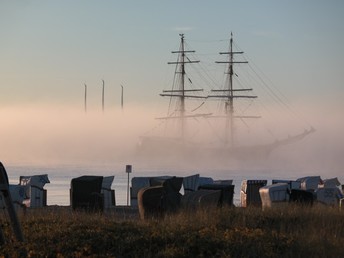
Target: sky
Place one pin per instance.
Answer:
(50, 49)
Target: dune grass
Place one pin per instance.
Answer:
(289, 231)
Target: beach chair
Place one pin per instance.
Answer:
(201, 199)
(331, 183)
(310, 182)
(92, 193)
(108, 193)
(205, 181)
(329, 196)
(149, 201)
(302, 197)
(293, 184)
(225, 187)
(190, 183)
(160, 197)
(34, 193)
(224, 182)
(17, 196)
(85, 193)
(249, 194)
(138, 183)
(275, 195)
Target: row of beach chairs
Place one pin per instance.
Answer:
(204, 191)
(87, 192)
(305, 190)
(29, 192)
(95, 193)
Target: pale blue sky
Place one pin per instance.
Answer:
(49, 49)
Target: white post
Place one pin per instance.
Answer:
(128, 169)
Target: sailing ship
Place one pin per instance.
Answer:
(183, 91)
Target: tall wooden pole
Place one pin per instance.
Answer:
(103, 95)
(85, 98)
(122, 98)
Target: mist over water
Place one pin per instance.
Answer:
(66, 142)
(67, 135)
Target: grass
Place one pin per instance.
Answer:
(291, 231)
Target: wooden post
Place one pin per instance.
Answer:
(4, 188)
(103, 95)
(85, 98)
(122, 97)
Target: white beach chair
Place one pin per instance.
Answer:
(274, 195)
(34, 194)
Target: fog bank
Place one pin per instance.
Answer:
(51, 135)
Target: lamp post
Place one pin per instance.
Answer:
(128, 169)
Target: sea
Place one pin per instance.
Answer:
(60, 176)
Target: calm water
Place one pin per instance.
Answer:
(61, 176)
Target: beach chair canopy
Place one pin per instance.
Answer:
(310, 182)
(37, 181)
(107, 182)
(331, 182)
(191, 183)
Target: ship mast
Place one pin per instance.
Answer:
(228, 93)
(181, 93)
